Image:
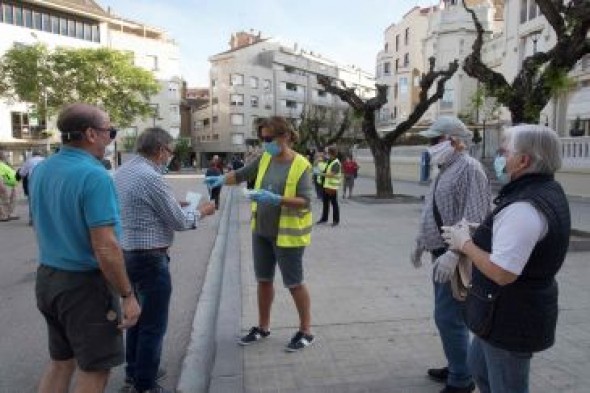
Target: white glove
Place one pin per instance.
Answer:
(416, 256)
(444, 266)
(457, 235)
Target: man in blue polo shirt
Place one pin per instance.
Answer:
(81, 273)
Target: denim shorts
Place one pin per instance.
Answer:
(82, 315)
(267, 255)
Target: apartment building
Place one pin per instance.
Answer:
(83, 24)
(400, 64)
(259, 77)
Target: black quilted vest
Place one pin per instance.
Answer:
(525, 311)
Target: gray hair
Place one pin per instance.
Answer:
(74, 119)
(151, 140)
(540, 143)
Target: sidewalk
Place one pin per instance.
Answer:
(371, 310)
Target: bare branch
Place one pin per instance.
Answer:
(346, 95)
(551, 10)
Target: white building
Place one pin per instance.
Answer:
(259, 78)
(83, 24)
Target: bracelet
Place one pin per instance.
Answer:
(127, 294)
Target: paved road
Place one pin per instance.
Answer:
(372, 314)
(23, 348)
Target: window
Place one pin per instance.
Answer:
(407, 60)
(267, 84)
(237, 139)
(206, 122)
(322, 93)
(532, 9)
(395, 91)
(523, 11)
(403, 86)
(237, 80)
(407, 36)
(397, 42)
(54, 24)
(7, 13)
(87, 32)
(173, 91)
(396, 65)
(394, 112)
(254, 82)
(28, 16)
(18, 16)
(254, 101)
(213, 82)
(46, 23)
(36, 20)
(291, 86)
(237, 119)
(63, 26)
(236, 100)
(95, 34)
(152, 62)
(215, 137)
(214, 100)
(79, 30)
(291, 104)
(447, 99)
(386, 47)
(386, 68)
(71, 28)
(215, 119)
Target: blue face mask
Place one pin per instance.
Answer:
(500, 168)
(271, 148)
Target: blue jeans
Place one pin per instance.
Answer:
(453, 334)
(497, 370)
(150, 277)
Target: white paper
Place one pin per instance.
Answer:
(248, 193)
(193, 198)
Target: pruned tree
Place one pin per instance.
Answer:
(534, 85)
(52, 78)
(380, 146)
(322, 126)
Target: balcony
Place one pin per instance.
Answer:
(575, 152)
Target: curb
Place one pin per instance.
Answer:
(200, 354)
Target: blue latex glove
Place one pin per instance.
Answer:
(316, 171)
(215, 181)
(266, 197)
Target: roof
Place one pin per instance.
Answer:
(84, 6)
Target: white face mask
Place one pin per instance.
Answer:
(441, 152)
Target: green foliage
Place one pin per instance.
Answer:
(182, 150)
(103, 77)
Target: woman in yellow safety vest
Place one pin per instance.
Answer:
(281, 224)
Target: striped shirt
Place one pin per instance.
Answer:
(461, 190)
(150, 212)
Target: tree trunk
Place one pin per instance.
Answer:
(381, 155)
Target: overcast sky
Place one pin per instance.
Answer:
(347, 31)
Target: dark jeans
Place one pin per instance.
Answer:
(150, 277)
(333, 199)
(214, 194)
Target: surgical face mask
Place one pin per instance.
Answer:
(500, 169)
(441, 152)
(272, 148)
(164, 166)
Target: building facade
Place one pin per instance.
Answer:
(259, 78)
(83, 24)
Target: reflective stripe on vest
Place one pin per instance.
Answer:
(294, 223)
(333, 182)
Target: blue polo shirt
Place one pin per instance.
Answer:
(70, 193)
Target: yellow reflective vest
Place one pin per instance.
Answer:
(7, 175)
(295, 223)
(321, 167)
(333, 182)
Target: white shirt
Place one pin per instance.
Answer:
(517, 229)
(29, 165)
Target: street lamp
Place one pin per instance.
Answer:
(535, 38)
(155, 112)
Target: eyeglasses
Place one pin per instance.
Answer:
(112, 131)
(267, 139)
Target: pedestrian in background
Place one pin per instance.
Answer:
(331, 184)
(8, 181)
(25, 172)
(512, 304)
(319, 166)
(460, 191)
(150, 214)
(214, 192)
(82, 276)
(350, 169)
(281, 225)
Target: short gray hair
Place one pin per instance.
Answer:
(540, 143)
(151, 140)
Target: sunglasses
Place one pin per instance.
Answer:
(267, 139)
(112, 131)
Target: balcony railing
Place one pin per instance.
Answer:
(575, 152)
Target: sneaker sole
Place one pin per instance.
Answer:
(291, 350)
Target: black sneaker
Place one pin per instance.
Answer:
(299, 341)
(128, 386)
(253, 335)
(438, 374)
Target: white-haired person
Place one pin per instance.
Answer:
(461, 190)
(517, 251)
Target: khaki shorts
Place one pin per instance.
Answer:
(82, 315)
(267, 255)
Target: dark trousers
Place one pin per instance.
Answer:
(150, 277)
(215, 194)
(333, 199)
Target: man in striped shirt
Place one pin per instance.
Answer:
(149, 215)
(461, 190)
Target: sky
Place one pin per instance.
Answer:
(346, 31)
